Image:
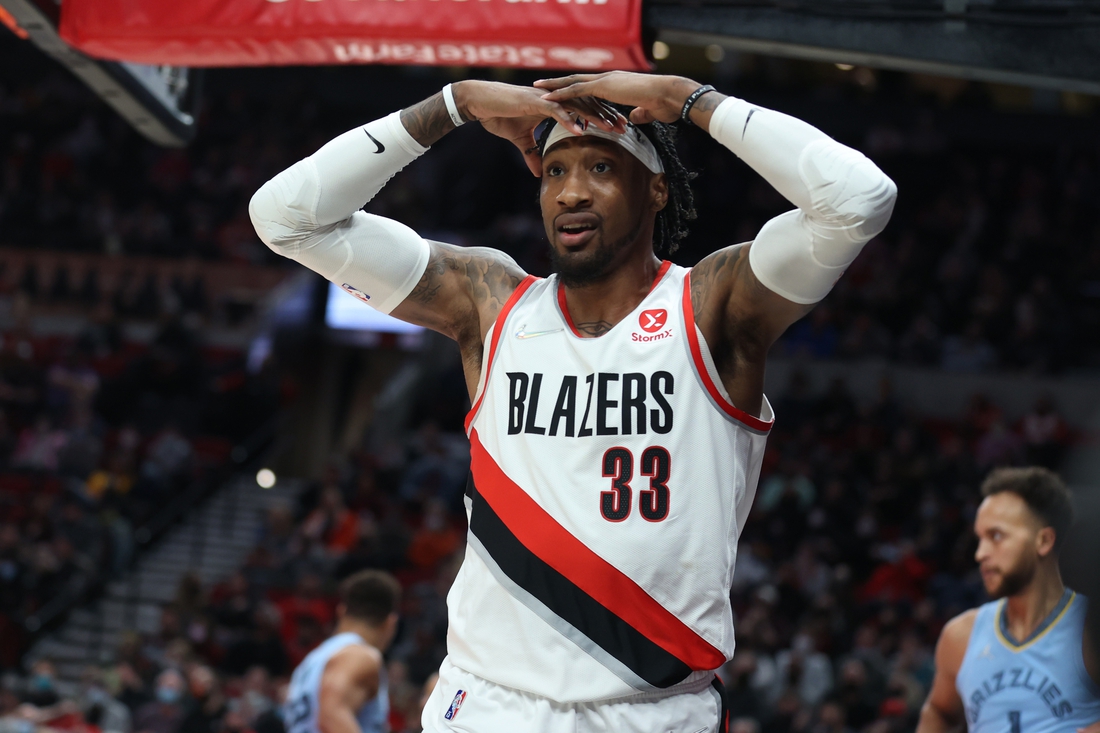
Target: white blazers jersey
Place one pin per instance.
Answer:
(611, 478)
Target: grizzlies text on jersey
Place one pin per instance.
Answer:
(1040, 685)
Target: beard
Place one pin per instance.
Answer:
(577, 270)
(1013, 581)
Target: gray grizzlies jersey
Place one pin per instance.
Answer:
(304, 695)
(1037, 686)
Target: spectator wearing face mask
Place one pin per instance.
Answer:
(41, 690)
(164, 714)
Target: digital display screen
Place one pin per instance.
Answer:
(345, 312)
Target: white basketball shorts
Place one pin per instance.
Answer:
(465, 703)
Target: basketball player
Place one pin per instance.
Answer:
(340, 687)
(618, 418)
(1023, 662)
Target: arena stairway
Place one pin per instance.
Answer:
(212, 540)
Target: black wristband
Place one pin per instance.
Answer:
(690, 102)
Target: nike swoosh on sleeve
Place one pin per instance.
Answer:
(522, 334)
(743, 129)
(381, 147)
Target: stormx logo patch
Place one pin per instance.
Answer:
(356, 292)
(452, 711)
(652, 321)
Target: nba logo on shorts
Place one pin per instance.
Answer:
(455, 705)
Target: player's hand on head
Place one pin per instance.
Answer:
(520, 131)
(653, 96)
(486, 100)
(513, 112)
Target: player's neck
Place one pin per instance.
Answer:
(597, 307)
(1031, 606)
(370, 634)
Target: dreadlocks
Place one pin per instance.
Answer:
(671, 225)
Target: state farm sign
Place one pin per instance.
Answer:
(544, 34)
(470, 54)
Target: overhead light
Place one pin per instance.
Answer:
(714, 53)
(845, 67)
(265, 477)
(660, 50)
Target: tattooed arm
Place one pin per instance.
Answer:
(740, 320)
(428, 121)
(459, 295)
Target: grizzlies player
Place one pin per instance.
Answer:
(1020, 664)
(340, 687)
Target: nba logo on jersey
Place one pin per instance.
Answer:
(455, 705)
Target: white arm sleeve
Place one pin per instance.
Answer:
(310, 213)
(843, 199)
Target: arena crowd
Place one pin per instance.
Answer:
(97, 434)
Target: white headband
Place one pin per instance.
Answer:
(633, 140)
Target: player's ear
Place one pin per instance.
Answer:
(1044, 541)
(658, 191)
(341, 610)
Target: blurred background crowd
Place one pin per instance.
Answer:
(124, 380)
(96, 435)
(991, 261)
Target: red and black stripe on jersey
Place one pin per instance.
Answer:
(578, 586)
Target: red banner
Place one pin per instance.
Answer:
(535, 34)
